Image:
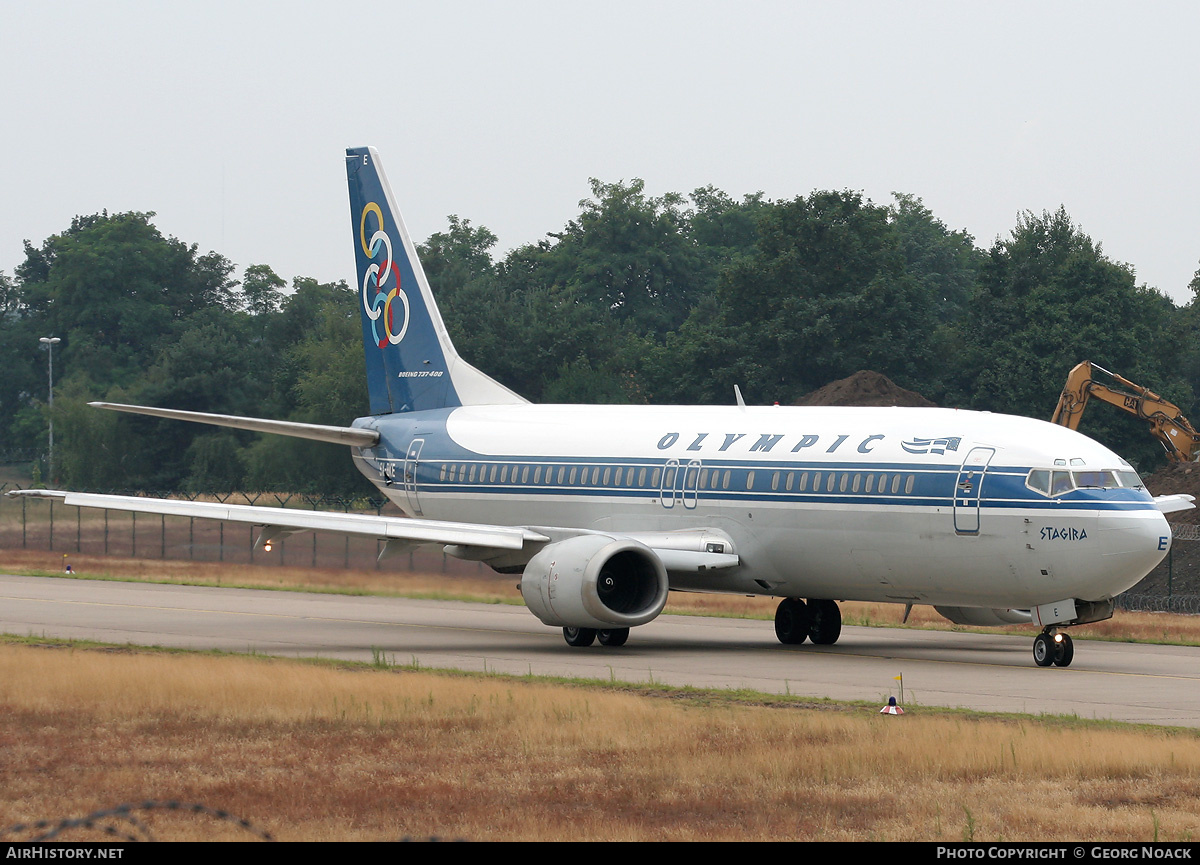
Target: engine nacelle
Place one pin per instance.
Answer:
(982, 617)
(595, 581)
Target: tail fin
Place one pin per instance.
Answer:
(411, 362)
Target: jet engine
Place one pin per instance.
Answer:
(982, 617)
(595, 581)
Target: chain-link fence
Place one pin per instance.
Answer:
(48, 524)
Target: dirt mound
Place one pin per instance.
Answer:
(867, 388)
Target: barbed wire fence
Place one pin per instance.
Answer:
(124, 823)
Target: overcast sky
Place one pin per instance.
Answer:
(229, 119)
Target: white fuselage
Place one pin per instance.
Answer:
(904, 505)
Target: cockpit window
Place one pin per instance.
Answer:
(1060, 482)
(1056, 482)
(1130, 479)
(1095, 479)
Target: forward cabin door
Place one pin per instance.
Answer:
(968, 490)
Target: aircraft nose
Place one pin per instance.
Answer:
(1132, 545)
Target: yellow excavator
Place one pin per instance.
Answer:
(1167, 423)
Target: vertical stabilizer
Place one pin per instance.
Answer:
(411, 362)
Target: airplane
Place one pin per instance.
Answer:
(992, 519)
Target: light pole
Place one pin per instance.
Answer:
(50, 342)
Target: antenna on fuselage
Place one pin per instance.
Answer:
(737, 392)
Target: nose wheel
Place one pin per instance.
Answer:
(1053, 648)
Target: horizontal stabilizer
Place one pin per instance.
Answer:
(339, 435)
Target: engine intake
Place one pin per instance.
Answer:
(595, 581)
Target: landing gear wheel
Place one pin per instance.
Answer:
(791, 621)
(1043, 650)
(824, 622)
(1064, 651)
(613, 636)
(579, 637)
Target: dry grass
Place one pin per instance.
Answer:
(313, 753)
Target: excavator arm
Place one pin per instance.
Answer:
(1167, 423)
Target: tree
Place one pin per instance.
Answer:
(113, 288)
(1048, 298)
(824, 292)
(261, 287)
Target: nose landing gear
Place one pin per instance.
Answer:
(1053, 647)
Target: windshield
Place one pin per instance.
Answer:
(1056, 482)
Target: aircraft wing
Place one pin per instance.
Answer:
(685, 551)
(288, 520)
(1177, 502)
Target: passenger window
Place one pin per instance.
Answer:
(537, 474)
(574, 470)
(816, 482)
(829, 482)
(503, 474)
(525, 475)
(562, 471)
(870, 483)
(804, 481)
(774, 481)
(471, 478)
(749, 480)
(895, 484)
(725, 479)
(844, 483)
(908, 484)
(855, 485)
(787, 484)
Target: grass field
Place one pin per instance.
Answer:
(317, 752)
(321, 752)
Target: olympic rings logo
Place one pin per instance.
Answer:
(377, 305)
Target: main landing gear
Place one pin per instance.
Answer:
(582, 637)
(797, 621)
(1052, 646)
